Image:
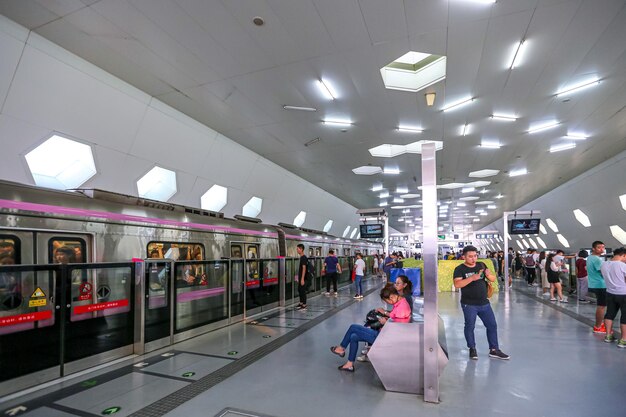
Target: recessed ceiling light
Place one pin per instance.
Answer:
(326, 88)
(519, 51)
(299, 108)
(410, 129)
(518, 172)
(391, 171)
(338, 122)
(503, 118)
(577, 87)
(457, 104)
(490, 144)
(543, 126)
(562, 147)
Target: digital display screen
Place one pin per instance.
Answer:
(524, 226)
(372, 231)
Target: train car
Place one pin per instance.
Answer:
(98, 275)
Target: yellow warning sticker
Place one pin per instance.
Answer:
(41, 302)
(38, 293)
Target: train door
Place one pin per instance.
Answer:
(99, 300)
(318, 262)
(252, 269)
(158, 311)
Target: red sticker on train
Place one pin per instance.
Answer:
(89, 308)
(25, 318)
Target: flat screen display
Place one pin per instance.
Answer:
(372, 231)
(524, 226)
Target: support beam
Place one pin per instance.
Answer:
(429, 274)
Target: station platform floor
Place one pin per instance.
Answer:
(280, 365)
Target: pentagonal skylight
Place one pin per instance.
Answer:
(541, 242)
(215, 198)
(253, 207)
(562, 239)
(552, 225)
(61, 163)
(300, 218)
(619, 234)
(367, 170)
(543, 229)
(622, 199)
(416, 147)
(354, 231)
(328, 225)
(158, 184)
(483, 173)
(582, 218)
(346, 231)
(414, 71)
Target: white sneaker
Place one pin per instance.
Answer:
(563, 300)
(326, 293)
(362, 358)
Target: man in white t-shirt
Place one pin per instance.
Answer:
(614, 273)
(359, 266)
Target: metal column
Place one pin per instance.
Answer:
(386, 235)
(430, 279)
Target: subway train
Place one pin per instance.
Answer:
(87, 276)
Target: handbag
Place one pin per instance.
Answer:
(489, 289)
(353, 274)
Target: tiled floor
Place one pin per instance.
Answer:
(557, 368)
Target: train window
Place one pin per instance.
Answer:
(176, 251)
(66, 250)
(311, 253)
(10, 253)
(236, 252)
(252, 251)
(346, 252)
(318, 251)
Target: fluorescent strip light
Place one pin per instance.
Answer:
(326, 89)
(458, 104)
(576, 88)
(563, 147)
(481, 1)
(384, 195)
(377, 187)
(398, 200)
(459, 204)
(382, 204)
(411, 129)
(503, 118)
(465, 129)
(490, 145)
(576, 136)
(402, 190)
(391, 171)
(491, 207)
(499, 196)
(484, 191)
(544, 126)
(299, 108)
(338, 122)
(518, 172)
(519, 54)
(468, 189)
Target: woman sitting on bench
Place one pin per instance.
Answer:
(356, 333)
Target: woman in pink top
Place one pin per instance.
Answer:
(401, 312)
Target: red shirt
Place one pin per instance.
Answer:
(581, 268)
(401, 311)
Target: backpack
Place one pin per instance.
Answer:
(310, 270)
(530, 261)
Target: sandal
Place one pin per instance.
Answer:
(349, 369)
(334, 350)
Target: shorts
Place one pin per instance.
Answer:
(600, 296)
(615, 303)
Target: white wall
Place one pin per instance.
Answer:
(46, 89)
(596, 193)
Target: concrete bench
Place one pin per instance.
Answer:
(397, 356)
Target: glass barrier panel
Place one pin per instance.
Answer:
(289, 279)
(101, 314)
(237, 294)
(262, 283)
(201, 293)
(157, 313)
(29, 323)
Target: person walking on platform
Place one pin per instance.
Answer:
(388, 264)
(614, 273)
(302, 275)
(581, 277)
(597, 285)
(332, 269)
(553, 268)
(359, 265)
(530, 264)
(470, 278)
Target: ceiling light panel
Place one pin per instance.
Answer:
(622, 200)
(338, 122)
(468, 189)
(469, 198)
(484, 173)
(299, 108)
(576, 135)
(518, 53)
(327, 89)
(458, 104)
(465, 130)
(518, 172)
(410, 129)
(384, 194)
(618, 233)
(575, 88)
(552, 225)
(540, 127)
(562, 147)
(367, 170)
(503, 118)
(562, 239)
(490, 144)
(541, 242)
(409, 196)
(377, 187)
(542, 228)
(391, 171)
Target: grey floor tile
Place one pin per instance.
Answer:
(182, 364)
(45, 412)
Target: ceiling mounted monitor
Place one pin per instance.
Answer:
(524, 226)
(372, 231)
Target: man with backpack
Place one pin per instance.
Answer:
(530, 264)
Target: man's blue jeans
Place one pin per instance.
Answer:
(355, 334)
(487, 317)
(357, 284)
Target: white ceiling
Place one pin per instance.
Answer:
(207, 59)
